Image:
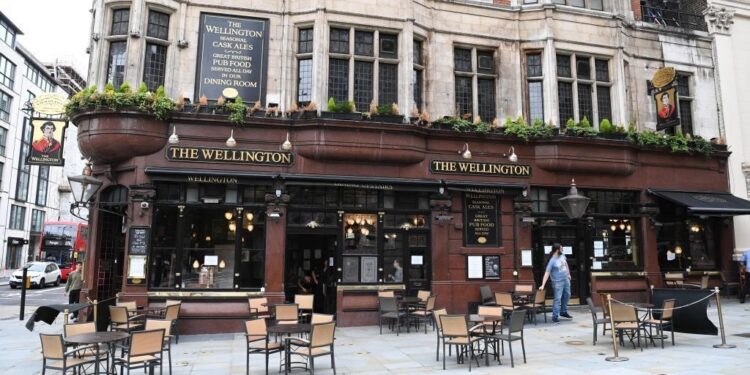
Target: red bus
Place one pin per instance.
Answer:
(64, 243)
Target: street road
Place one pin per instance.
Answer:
(34, 297)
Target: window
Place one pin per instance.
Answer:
(5, 101)
(591, 4)
(38, 78)
(116, 63)
(417, 77)
(472, 66)
(3, 140)
(373, 60)
(120, 20)
(535, 87)
(24, 170)
(37, 220)
(583, 88)
(155, 65)
(2, 169)
(686, 103)
(7, 72)
(158, 25)
(42, 185)
(17, 217)
(304, 66)
(7, 34)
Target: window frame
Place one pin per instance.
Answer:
(577, 82)
(5, 110)
(7, 78)
(116, 37)
(37, 217)
(418, 69)
(533, 79)
(586, 4)
(7, 32)
(42, 186)
(17, 219)
(475, 75)
(688, 100)
(23, 176)
(304, 53)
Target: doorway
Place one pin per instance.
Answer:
(308, 254)
(574, 237)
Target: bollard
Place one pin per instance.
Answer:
(723, 344)
(65, 319)
(617, 357)
(24, 286)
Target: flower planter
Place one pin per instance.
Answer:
(304, 115)
(618, 136)
(391, 119)
(258, 114)
(351, 116)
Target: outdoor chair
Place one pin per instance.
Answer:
(486, 293)
(54, 356)
(120, 320)
(666, 319)
(539, 304)
(144, 351)
(436, 314)
(259, 307)
(321, 318)
(389, 311)
(166, 325)
(523, 292)
(489, 327)
(605, 309)
(131, 306)
(173, 315)
(78, 329)
(287, 313)
(595, 319)
(626, 322)
(171, 302)
(515, 333)
(456, 333)
(423, 314)
(258, 342)
(386, 293)
(320, 344)
(423, 295)
(305, 304)
(505, 300)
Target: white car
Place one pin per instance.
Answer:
(41, 274)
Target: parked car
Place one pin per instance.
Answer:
(41, 274)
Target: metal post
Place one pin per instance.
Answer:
(65, 319)
(96, 310)
(24, 281)
(723, 344)
(617, 357)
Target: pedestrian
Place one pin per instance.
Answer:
(559, 273)
(744, 277)
(74, 284)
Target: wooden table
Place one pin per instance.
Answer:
(96, 338)
(288, 330)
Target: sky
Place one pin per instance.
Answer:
(53, 30)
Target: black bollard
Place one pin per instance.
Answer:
(23, 290)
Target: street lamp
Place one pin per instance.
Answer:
(84, 187)
(574, 204)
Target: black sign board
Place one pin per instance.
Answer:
(481, 220)
(491, 266)
(232, 53)
(139, 239)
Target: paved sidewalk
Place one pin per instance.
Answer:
(563, 348)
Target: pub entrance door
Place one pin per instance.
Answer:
(307, 254)
(574, 236)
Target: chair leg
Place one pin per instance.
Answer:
(247, 363)
(312, 365)
(471, 355)
(510, 349)
(266, 361)
(523, 348)
(437, 350)
(444, 354)
(333, 362)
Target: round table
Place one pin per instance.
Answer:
(96, 338)
(288, 330)
(476, 318)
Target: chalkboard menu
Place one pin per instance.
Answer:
(232, 52)
(491, 266)
(139, 240)
(480, 220)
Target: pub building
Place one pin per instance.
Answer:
(210, 212)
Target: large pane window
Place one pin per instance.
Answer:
(7, 72)
(584, 87)
(360, 252)
(534, 88)
(304, 65)
(42, 185)
(164, 262)
(37, 220)
(474, 67)
(417, 78)
(155, 65)
(24, 170)
(17, 217)
(7, 34)
(116, 63)
(5, 101)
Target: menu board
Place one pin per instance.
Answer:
(474, 267)
(480, 220)
(232, 52)
(491, 266)
(140, 238)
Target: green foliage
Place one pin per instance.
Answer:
(90, 98)
(520, 129)
(125, 88)
(340, 107)
(109, 87)
(581, 129)
(650, 138)
(384, 109)
(570, 123)
(606, 127)
(678, 143)
(700, 145)
(142, 88)
(585, 122)
(237, 110)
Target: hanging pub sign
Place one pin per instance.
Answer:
(232, 54)
(49, 103)
(480, 220)
(665, 98)
(47, 141)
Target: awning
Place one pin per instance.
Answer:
(706, 203)
(360, 182)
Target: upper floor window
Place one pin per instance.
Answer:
(304, 65)
(158, 25)
(24, 169)
(17, 217)
(155, 61)
(7, 34)
(417, 78)
(591, 4)
(7, 72)
(583, 87)
(120, 21)
(38, 78)
(117, 55)
(42, 185)
(5, 101)
(37, 220)
(685, 95)
(535, 86)
(472, 67)
(3, 140)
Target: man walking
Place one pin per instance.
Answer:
(73, 287)
(558, 272)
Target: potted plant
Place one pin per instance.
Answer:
(341, 111)
(272, 112)
(580, 129)
(424, 120)
(236, 109)
(385, 113)
(221, 105)
(610, 131)
(308, 111)
(414, 115)
(257, 110)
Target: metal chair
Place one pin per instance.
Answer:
(120, 320)
(486, 293)
(539, 304)
(144, 351)
(666, 319)
(78, 329)
(386, 293)
(305, 302)
(54, 356)
(321, 318)
(515, 326)
(455, 333)
(436, 314)
(166, 325)
(320, 344)
(423, 314)
(173, 314)
(256, 334)
(259, 307)
(287, 313)
(626, 322)
(596, 320)
(389, 311)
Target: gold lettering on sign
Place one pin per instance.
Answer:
(470, 167)
(207, 154)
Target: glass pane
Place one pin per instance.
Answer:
(363, 82)
(155, 66)
(116, 64)
(388, 45)
(416, 83)
(596, 4)
(462, 59)
(577, 3)
(418, 52)
(536, 101)
(565, 98)
(485, 62)
(615, 244)
(602, 70)
(363, 43)
(360, 234)
(487, 99)
(583, 67)
(304, 81)
(120, 18)
(683, 85)
(388, 84)
(252, 251)
(464, 95)
(393, 250)
(158, 25)
(163, 257)
(338, 79)
(208, 259)
(339, 40)
(305, 41)
(604, 103)
(350, 270)
(534, 65)
(585, 105)
(563, 66)
(686, 116)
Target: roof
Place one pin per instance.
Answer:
(10, 23)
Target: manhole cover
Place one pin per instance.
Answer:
(574, 342)
(745, 335)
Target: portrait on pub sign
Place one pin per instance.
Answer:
(47, 139)
(667, 114)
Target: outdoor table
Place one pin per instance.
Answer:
(494, 319)
(522, 298)
(288, 330)
(96, 338)
(152, 311)
(405, 303)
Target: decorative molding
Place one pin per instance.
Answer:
(719, 19)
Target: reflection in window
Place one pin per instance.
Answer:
(615, 244)
(360, 261)
(163, 262)
(116, 63)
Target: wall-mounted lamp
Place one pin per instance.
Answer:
(250, 227)
(249, 216)
(196, 265)
(287, 145)
(174, 138)
(678, 250)
(511, 155)
(230, 141)
(232, 227)
(312, 224)
(465, 152)
(222, 264)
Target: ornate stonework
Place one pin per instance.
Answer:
(719, 20)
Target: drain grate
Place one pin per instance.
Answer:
(574, 342)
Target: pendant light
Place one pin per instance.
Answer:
(287, 145)
(174, 138)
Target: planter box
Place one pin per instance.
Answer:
(304, 115)
(391, 119)
(619, 136)
(352, 116)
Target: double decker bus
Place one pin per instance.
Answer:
(64, 243)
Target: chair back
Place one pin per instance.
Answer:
(118, 314)
(590, 302)
(524, 288)
(454, 326)
(171, 302)
(388, 304)
(173, 312)
(430, 303)
(540, 298)
(146, 342)
(256, 327)
(257, 304)
(386, 293)
(486, 293)
(504, 299)
(517, 319)
(79, 328)
(437, 314)
(304, 301)
(321, 318)
(605, 309)
(490, 310)
(130, 305)
(287, 312)
(667, 309)
(154, 324)
(322, 334)
(423, 295)
(623, 313)
(52, 346)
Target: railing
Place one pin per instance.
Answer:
(674, 18)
